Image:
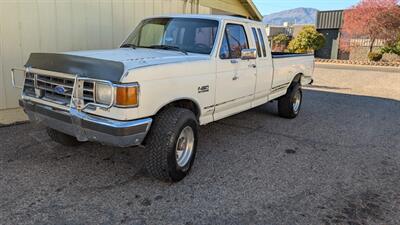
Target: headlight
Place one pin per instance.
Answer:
(103, 94)
(126, 95)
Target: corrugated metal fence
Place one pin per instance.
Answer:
(330, 19)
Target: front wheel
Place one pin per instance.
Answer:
(289, 105)
(171, 144)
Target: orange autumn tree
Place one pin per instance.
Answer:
(372, 19)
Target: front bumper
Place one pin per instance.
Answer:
(87, 127)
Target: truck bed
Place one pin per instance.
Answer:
(287, 65)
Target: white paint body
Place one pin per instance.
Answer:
(167, 76)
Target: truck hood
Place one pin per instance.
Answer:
(108, 65)
(140, 57)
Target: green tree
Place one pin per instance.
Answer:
(308, 40)
(281, 39)
(393, 47)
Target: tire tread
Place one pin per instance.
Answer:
(285, 107)
(161, 139)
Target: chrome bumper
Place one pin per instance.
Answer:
(87, 127)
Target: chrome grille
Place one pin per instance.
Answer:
(29, 87)
(55, 89)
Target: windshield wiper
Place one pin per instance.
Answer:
(168, 47)
(127, 45)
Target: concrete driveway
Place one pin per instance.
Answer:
(337, 163)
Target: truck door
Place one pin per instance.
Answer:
(236, 78)
(264, 67)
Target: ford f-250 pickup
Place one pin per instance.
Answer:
(171, 74)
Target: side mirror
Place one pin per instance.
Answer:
(249, 54)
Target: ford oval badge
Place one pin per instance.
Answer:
(59, 90)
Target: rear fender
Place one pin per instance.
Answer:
(302, 79)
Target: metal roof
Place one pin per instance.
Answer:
(329, 19)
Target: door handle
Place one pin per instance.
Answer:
(234, 61)
(253, 66)
(235, 76)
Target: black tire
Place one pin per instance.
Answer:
(63, 139)
(162, 139)
(286, 107)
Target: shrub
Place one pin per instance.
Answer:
(393, 47)
(281, 39)
(375, 56)
(308, 40)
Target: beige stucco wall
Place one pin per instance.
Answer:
(360, 53)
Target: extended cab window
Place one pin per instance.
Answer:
(186, 34)
(257, 41)
(262, 42)
(234, 41)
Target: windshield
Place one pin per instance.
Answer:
(182, 34)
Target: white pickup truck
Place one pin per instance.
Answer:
(171, 74)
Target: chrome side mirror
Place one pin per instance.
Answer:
(249, 54)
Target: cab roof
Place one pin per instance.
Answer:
(219, 18)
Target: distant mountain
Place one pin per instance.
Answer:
(293, 16)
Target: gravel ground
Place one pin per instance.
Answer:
(337, 163)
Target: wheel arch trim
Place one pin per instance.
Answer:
(176, 100)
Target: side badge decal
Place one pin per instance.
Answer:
(203, 89)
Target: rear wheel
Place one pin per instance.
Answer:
(61, 138)
(289, 105)
(171, 144)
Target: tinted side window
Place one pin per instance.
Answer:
(237, 40)
(224, 53)
(262, 42)
(257, 41)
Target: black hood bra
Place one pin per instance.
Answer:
(83, 66)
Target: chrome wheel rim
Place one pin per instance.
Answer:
(184, 146)
(296, 102)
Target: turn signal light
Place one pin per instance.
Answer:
(127, 96)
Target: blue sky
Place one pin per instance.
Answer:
(271, 6)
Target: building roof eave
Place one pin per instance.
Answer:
(252, 8)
